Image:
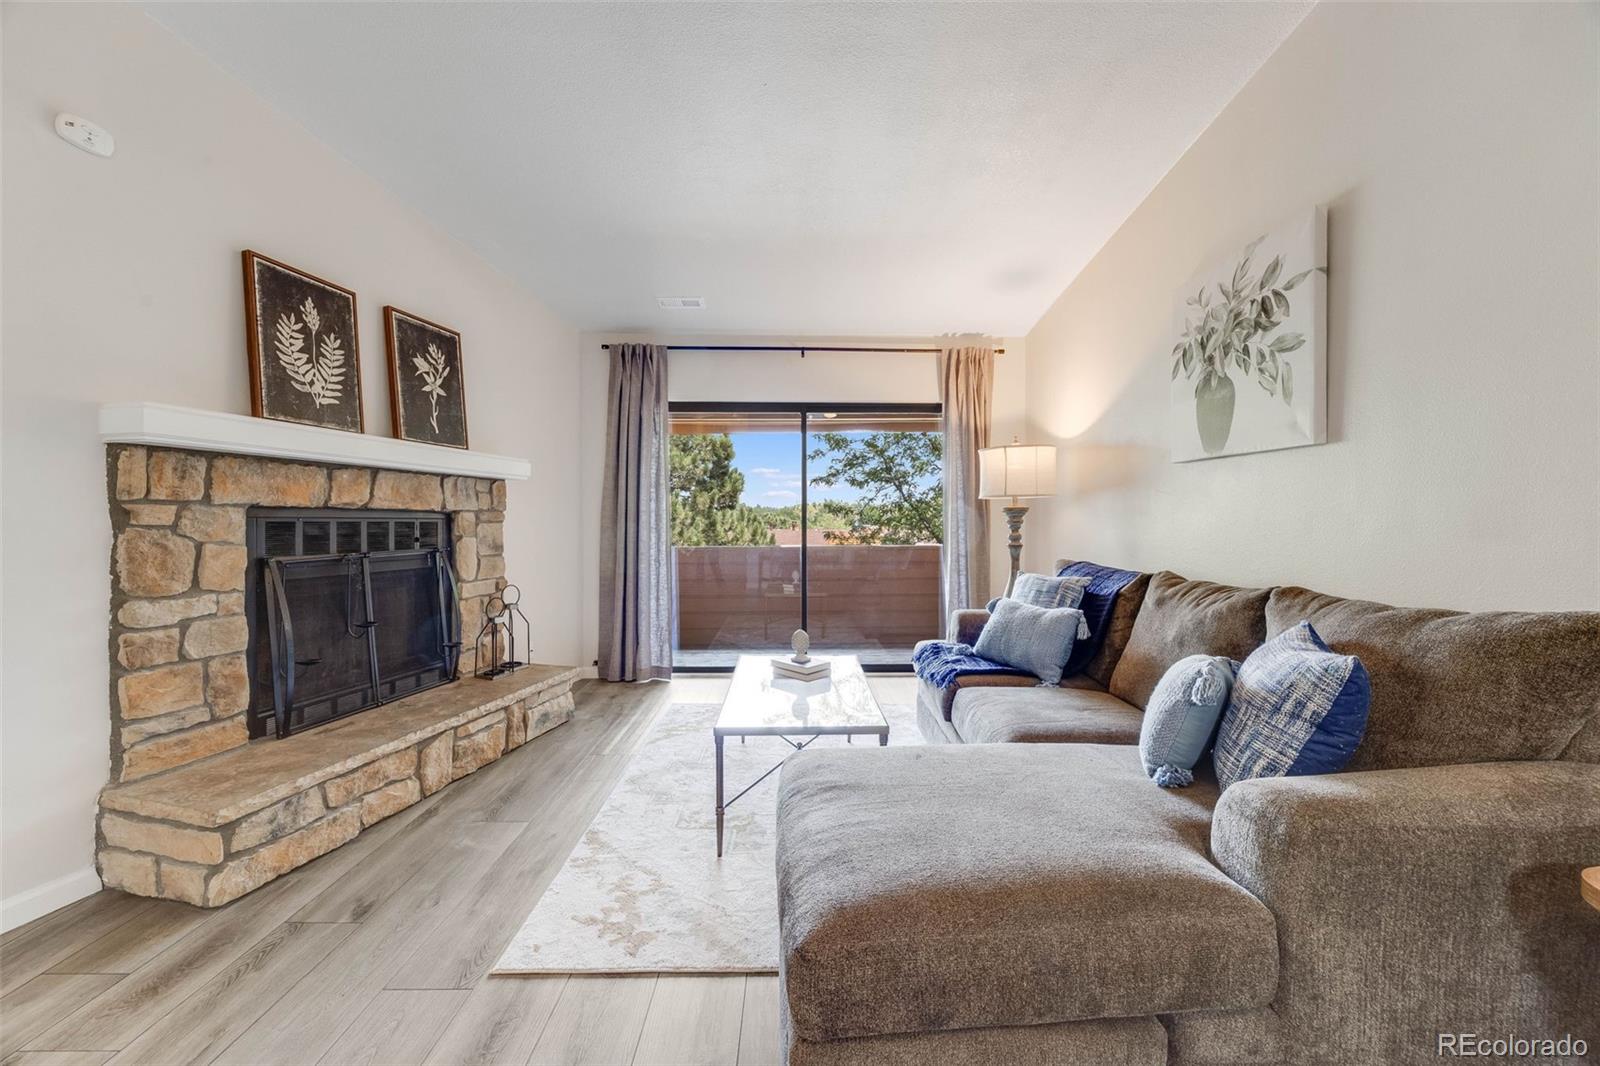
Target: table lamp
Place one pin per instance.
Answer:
(1016, 471)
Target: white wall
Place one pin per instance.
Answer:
(122, 281)
(771, 377)
(1455, 147)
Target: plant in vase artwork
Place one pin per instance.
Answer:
(1258, 318)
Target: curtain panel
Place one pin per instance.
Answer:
(966, 388)
(635, 528)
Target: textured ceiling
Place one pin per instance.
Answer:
(846, 169)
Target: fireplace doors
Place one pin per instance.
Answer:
(349, 610)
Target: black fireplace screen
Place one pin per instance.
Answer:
(348, 610)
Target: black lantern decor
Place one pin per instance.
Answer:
(495, 651)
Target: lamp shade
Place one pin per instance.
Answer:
(1016, 470)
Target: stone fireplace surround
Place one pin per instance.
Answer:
(197, 812)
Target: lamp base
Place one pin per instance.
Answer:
(1014, 515)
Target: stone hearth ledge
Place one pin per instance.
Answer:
(212, 830)
(226, 787)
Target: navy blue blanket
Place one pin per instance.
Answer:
(1099, 600)
(940, 662)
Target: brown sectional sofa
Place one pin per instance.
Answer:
(989, 901)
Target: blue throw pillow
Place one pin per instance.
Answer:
(1297, 708)
(1040, 590)
(1035, 639)
(1182, 716)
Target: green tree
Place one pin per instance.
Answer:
(833, 516)
(898, 476)
(705, 489)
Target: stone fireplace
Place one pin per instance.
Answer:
(199, 811)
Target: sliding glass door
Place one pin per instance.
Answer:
(822, 517)
(736, 554)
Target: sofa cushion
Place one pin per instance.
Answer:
(1040, 715)
(943, 699)
(1102, 1041)
(1449, 687)
(1079, 891)
(1180, 617)
(1117, 628)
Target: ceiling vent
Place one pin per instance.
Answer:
(681, 303)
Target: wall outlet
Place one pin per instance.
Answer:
(82, 133)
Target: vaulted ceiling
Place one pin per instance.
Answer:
(845, 169)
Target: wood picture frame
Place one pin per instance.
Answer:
(427, 380)
(296, 329)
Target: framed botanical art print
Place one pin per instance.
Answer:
(1249, 366)
(427, 395)
(305, 361)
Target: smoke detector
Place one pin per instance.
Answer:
(681, 303)
(82, 133)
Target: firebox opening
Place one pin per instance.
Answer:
(348, 610)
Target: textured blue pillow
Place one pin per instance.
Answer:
(1035, 639)
(1040, 590)
(1182, 716)
(1297, 708)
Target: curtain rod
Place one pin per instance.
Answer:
(801, 348)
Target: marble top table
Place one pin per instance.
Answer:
(759, 704)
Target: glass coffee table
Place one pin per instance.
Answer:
(760, 705)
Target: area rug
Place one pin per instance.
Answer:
(644, 891)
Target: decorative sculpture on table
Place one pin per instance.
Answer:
(801, 666)
(494, 653)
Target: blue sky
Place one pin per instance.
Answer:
(770, 463)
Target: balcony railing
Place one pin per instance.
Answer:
(875, 599)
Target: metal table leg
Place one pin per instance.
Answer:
(719, 797)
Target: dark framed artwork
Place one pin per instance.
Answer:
(427, 394)
(305, 354)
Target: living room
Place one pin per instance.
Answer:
(808, 533)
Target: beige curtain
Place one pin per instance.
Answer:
(635, 528)
(966, 388)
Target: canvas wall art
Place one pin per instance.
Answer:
(1249, 369)
(305, 362)
(427, 395)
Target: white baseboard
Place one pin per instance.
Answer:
(591, 672)
(24, 907)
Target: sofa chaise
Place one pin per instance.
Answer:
(1021, 892)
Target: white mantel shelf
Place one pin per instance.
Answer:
(213, 431)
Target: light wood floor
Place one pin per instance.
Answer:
(379, 952)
